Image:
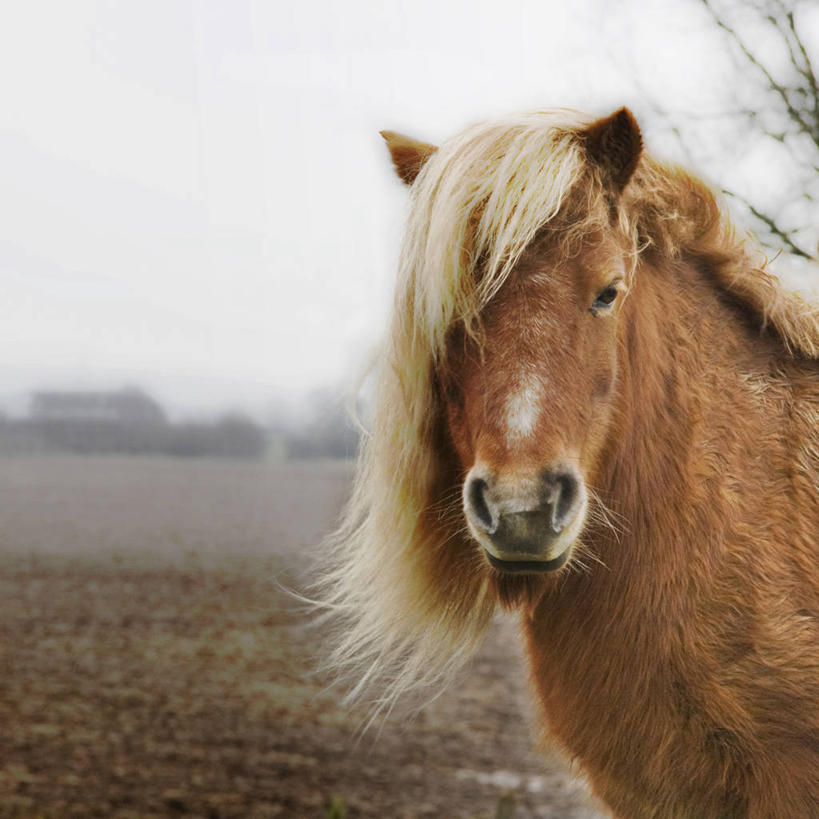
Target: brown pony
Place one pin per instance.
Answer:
(598, 408)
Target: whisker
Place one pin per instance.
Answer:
(600, 512)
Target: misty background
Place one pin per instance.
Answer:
(199, 230)
(197, 208)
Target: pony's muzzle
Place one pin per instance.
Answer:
(525, 523)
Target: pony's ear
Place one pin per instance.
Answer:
(614, 144)
(408, 155)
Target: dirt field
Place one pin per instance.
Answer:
(151, 665)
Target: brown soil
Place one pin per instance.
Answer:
(153, 666)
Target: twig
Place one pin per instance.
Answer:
(773, 227)
(779, 89)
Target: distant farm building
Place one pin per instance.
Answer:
(126, 407)
(127, 421)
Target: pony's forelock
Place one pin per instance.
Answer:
(476, 205)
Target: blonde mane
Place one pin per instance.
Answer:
(475, 206)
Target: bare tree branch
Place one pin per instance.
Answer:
(794, 121)
(778, 88)
(764, 126)
(808, 73)
(785, 236)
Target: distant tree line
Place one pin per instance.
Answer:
(323, 428)
(232, 436)
(130, 422)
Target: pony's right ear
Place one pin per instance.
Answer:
(408, 155)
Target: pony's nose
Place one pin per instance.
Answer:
(522, 516)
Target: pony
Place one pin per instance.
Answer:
(599, 409)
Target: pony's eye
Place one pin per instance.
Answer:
(605, 298)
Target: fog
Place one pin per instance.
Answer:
(196, 201)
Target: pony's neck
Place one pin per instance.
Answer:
(685, 353)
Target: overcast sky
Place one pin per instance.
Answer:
(194, 195)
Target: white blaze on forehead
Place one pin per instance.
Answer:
(522, 410)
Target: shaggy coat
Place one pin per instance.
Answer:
(565, 299)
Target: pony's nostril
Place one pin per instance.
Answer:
(477, 505)
(562, 497)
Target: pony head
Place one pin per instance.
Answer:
(527, 364)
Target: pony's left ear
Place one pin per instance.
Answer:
(408, 155)
(614, 144)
